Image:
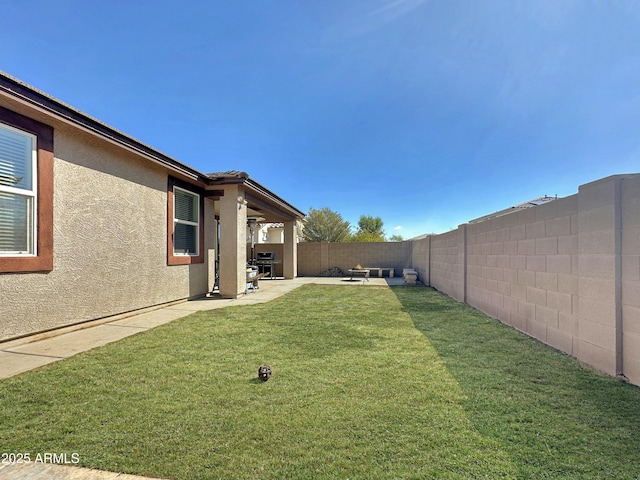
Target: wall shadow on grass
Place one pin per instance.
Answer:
(556, 417)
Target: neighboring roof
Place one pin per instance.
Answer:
(531, 203)
(52, 106)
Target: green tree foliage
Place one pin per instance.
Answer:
(396, 238)
(325, 225)
(370, 229)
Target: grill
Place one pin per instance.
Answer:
(266, 262)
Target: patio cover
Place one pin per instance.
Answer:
(240, 197)
(260, 200)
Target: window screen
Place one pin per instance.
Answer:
(17, 192)
(186, 222)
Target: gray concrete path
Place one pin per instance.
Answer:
(29, 353)
(47, 471)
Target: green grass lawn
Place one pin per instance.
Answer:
(369, 382)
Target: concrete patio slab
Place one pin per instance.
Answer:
(47, 471)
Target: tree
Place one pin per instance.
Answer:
(370, 229)
(396, 238)
(325, 225)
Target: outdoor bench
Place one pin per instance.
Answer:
(410, 276)
(380, 270)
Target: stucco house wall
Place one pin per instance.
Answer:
(110, 241)
(269, 233)
(104, 238)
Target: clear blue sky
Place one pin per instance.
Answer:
(425, 113)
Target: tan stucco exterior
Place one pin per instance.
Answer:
(110, 243)
(233, 242)
(113, 225)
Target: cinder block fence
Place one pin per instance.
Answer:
(566, 272)
(316, 258)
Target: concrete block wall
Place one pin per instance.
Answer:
(630, 278)
(521, 270)
(445, 271)
(314, 258)
(310, 261)
(566, 272)
(420, 258)
(598, 330)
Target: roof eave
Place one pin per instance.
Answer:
(49, 105)
(255, 189)
(282, 203)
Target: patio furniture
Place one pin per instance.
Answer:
(359, 272)
(252, 279)
(410, 276)
(380, 270)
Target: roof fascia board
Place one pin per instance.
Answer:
(261, 195)
(257, 201)
(263, 191)
(52, 107)
(227, 181)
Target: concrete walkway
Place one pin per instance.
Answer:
(48, 471)
(29, 353)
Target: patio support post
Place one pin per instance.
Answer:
(233, 242)
(290, 256)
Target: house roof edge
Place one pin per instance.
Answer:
(52, 106)
(49, 105)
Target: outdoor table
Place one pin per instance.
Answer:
(356, 272)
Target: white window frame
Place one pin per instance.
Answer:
(177, 221)
(32, 212)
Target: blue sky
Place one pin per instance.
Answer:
(425, 113)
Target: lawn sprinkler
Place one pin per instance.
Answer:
(264, 372)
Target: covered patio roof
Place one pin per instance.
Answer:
(261, 201)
